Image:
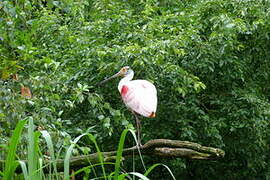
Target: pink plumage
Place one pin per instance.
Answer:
(140, 96)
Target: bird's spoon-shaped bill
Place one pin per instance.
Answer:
(113, 76)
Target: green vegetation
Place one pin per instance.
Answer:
(208, 59)
(36, 166)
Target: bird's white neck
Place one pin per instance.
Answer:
(124, 80)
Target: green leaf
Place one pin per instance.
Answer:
(10, 163)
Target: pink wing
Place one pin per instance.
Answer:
(140, 96)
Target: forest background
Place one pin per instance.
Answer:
(208, 59)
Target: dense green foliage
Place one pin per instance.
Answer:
(208, 59)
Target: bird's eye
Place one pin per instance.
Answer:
(126, 68)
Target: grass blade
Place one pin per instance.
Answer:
(33, 138)
(49, 143)
(119, 153)
(30, 154)
(24, 170)
(40, 170)
(10, 163)
(100, 157)
(91, 166)
(159, 164)
(68, 155)
(143, 177)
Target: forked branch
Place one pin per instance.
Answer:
(158, 148)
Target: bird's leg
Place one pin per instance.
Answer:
(138, 123)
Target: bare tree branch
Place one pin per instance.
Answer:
(165, 148)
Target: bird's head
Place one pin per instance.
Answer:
(124, 71)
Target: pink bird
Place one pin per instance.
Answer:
(140, 96)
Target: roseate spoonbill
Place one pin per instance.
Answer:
(140, 96)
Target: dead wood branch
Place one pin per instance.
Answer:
(157, 147)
